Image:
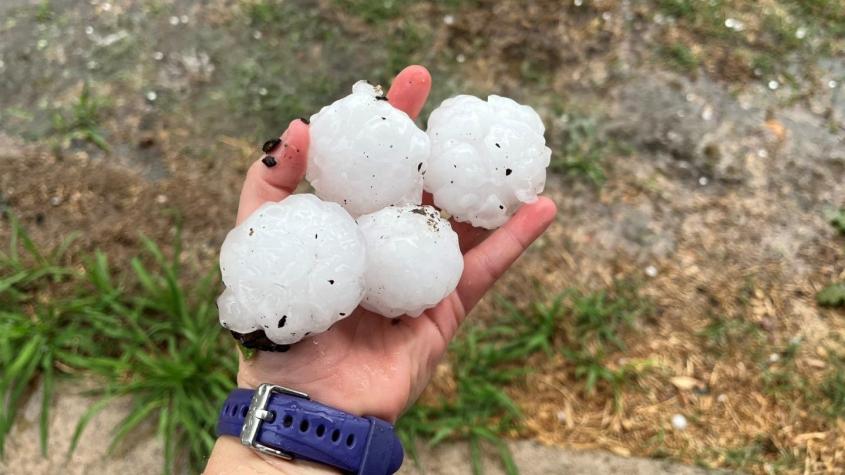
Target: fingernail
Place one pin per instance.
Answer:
(269, 161)
(270, 145)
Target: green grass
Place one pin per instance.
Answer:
(596, 322)
(837, 219)
(82, 120)
(832, 389)
(31, 336)
(44, 12)
(175, 363)
(580, 149)
(147, 335)
(584, 326)
(484, 359)
(680, 57)
(759, 48)
(834, 294)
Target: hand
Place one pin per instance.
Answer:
(367, 364)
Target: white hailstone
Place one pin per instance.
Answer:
(413, 260)
(366, 154)
(487, 158)
(291, 269)
(679, 422)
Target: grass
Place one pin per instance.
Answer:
(484, 359)
(837, 219)
(596, 323)
(584, 326)
(150, 336)
(834, 294)
(680, 57)
(147, 335)
(580, 149)
(832, 388)
(758, 47)
(82, 120)
(31, 342)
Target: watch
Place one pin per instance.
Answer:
(285, 423)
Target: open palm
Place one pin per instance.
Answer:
(367, 364)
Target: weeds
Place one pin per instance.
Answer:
(597, 321)
(680, 56)
(32, 339)
(725, 332)
(152, 338)
(837, 219)
(583, 326)
(82, 121)
(833, 389)
(580, 149)
(755, 39)
(175, 363)
(483, 361)
(834, 294)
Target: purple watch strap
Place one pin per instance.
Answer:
(309, 430)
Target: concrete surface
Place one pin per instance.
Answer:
(142, 453)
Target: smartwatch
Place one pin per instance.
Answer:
(284, 423)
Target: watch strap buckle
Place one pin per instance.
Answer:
(258, 413)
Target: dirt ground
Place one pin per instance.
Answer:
(715, 202)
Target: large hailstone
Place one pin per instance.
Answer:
(487, 158)
(413, 260)
(366, 154)
(291, 269)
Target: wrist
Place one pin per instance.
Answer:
(280, 422)
(229, 456)
(344, 391)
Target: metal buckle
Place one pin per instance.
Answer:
(258, 413)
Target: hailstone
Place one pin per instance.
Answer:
(487, 158)
(366, 154)
(291, 269)
(413, 260)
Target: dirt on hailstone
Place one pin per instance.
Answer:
(715, 206)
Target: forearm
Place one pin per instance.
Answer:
(230, 457)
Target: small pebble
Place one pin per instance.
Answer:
(651, 271)
(679, 422)
(174, 20)
(151, 96)
(269, 161)
(703, 181)
(721, 398)
(158, 56)
(460, 58)
(773, 85)
(449, 19)
(774, 358)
